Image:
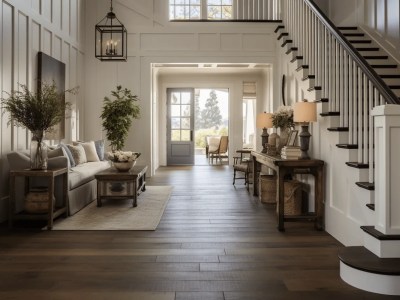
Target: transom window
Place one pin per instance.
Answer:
(200, 9)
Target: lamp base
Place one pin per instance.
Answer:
(304, 141)
(264, 140)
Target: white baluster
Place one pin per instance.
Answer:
(371, 134)
(365, 119)
(355, 96)
(359, 112)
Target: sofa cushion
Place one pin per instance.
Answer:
(90, 150)
(78, 154)
(69, 154)
(84, 173)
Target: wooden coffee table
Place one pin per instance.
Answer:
(112, 184)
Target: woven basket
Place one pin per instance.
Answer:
(37, 201)
(292, 197)
(267, 189)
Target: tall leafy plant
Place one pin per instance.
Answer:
(117, 115)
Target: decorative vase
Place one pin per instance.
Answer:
(38, 153)
(281, 141)
(124, 166)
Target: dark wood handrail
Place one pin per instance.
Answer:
(379, 84)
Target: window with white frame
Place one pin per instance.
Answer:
(184, 9)
(200, 9)
(219, 9)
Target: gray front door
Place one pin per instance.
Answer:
(180, 125)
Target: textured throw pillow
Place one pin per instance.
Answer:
(99, 148)
(78, 153)
(90, 150)
(55, 153)
(69, 154)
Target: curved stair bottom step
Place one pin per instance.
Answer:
(370, 282)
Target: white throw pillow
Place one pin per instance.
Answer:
(90, 150)
(213, 143)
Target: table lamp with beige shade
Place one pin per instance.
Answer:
(264, 121)
(304, 112)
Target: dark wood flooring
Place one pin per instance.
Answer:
(215, 241)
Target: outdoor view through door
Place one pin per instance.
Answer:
(194, 115)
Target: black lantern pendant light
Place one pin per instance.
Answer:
(111, 38)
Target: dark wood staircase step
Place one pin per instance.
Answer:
(308, 77)
(302, 67)
(347, 28)
(282, 35)
(342, 129)
(370, 186)
(347, 146)
(379, 235)
(330, 113)
(296, 58)
(357, 165)
(362, 259)
(360, 41)
(389, 76)
(315, 88)
(376, 66)
(394, 87)
(292, 49)
(286, 42)
(322, 100)
(371, 206)
(278, 28)
(354, 34)
(376, 57)
(367, 49)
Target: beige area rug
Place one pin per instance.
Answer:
(118, 214)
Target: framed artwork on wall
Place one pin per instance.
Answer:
(52, 70)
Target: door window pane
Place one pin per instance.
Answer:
(185, 98)
(185, 135)
(185, 123)
(185, 110)
(175, 123)
(175, 110)
(175, 135)
(175, 99)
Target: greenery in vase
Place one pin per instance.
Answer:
(117, 116)
(283, 117)
(36, 111)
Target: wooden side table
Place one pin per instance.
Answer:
(131, 184)
(53, 211)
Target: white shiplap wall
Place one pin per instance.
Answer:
(27, 27)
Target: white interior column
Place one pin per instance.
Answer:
(387, 171)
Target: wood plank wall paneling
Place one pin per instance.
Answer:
(27, 27)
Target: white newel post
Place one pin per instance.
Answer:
(387, 168)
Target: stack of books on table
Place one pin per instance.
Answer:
(291, 152)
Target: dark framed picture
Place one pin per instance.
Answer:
(292, 138)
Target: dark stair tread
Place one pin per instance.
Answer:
(347, 146)
(292, 49)
(379, 235)
(338, 129)
(362, 259)
(347, 28)
(330, 113)
(395, 87)
(286, 42)
(367, 49)
(322, 100)
(370, 186)
(282, 35)
(315, 88)
(360, 41)
(354, 34)
(376, 57)
(279, 27)
(389, 75)
(296, 58)
(383, 66)
(371, 206)
(308, 77)
(302, 67)
(357, 165)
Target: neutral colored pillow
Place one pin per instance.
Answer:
(213, 143)
(90, 150)
(99, 148)
(78, 153)
(55, 152)
(68, 153)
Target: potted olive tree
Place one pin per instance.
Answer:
(117, 116)
(38, 112)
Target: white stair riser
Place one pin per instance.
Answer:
(382, 249)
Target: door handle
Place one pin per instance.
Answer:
(191, 135)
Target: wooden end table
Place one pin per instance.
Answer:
(53, 211)
(112, 184)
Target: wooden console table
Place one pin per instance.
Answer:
(283, 167)
(53, 212)
(131, 184)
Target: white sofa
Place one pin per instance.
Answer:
(82, 185)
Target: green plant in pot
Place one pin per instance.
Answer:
(37, 112)
(117, 115)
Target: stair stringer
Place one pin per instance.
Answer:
(345, 202)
